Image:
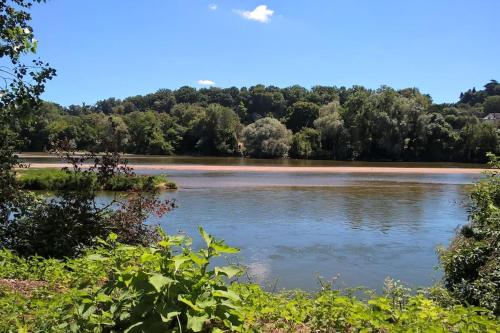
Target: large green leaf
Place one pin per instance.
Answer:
(195, 323)
(158, 281)
(179, 260)
(231, 295)
(229, 271)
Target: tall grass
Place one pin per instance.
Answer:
(57, 179)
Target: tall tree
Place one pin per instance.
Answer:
(24, 82)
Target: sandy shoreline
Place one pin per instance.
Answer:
(285, 169)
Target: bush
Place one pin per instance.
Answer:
(63, 226)
(169, 287)
(267, 137)
(472, 262)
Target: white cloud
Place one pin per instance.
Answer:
(212, 6)
(260, 14)
(206, 82)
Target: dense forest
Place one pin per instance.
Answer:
(266, 121)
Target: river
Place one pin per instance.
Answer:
(293, 227)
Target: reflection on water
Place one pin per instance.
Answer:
(293, 227)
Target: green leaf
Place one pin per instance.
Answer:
(197, 259)
(226, 294)
(195, 323)
(101, 297)
(189, 303)
(147, 257)
(158, 281)
(223, 248)
(206, 237)
(210, 302)
(169, 316)
(228, 271)
(179, 260)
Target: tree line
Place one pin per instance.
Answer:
(265, 121)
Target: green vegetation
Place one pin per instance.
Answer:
(56, 179)
(57, 274)
(267, 137)
(472, 262)
(169, 287)
(351, 123)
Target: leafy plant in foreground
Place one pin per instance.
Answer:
(167, 287)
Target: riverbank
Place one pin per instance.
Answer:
(289, 169)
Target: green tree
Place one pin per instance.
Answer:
(301, 114)
(267, 137)
(305, 143)
(146, 135)
(220, 130)
(189, 118)
(265, 101)
(491, 104)
(441, 140)
(25, 82)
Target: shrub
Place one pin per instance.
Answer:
(472, 261)
(65, 225)
(169, 287)
(267, 137)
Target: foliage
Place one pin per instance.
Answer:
(219, 131)
(23, 85)
(57, 180)
(332, 311)
(267, 137)
(305, 143)
(354, 123)
(172, 287)
(472, 262)
(492, 104)
(70, 221)
(334, 137)
(473, 96)
(301, 114)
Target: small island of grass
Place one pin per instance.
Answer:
(56, 180)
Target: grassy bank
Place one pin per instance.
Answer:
(57, 179)
(169, 287)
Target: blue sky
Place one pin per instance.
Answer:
(119, 48)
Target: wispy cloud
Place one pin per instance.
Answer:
(206, 82)
(212, 6)
(260, 14)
